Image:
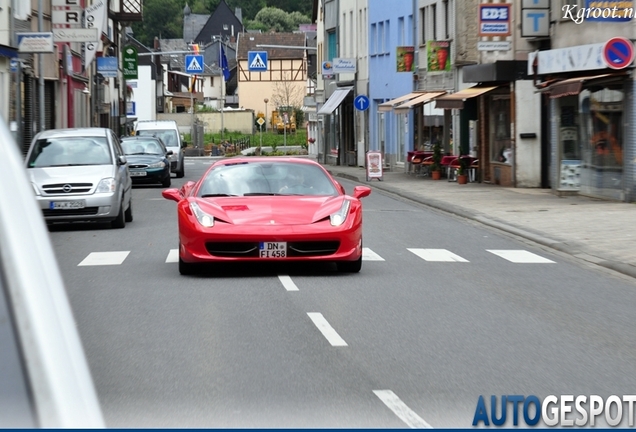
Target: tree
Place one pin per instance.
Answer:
(275, 19)
(288, 93)
(166, 15)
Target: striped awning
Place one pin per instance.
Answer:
(456, 100)
(422, 99)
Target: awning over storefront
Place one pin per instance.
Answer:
(389, 105)
(7, 51)
(419, 100)
(334, 100)
(573, 86)
(456, 100)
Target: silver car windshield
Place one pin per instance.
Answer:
(266, 178)
(168, 136)
(71, 151)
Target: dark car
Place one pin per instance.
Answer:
(148, 159)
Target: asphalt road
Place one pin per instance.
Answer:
(410, 341)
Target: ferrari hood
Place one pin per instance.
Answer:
(262, 210)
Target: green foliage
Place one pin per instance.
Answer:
(275, 19)
(298, 18)
(437, 157)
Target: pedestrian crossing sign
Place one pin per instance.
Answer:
(257, 61)
(194, 64)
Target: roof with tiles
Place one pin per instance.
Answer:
(249, 41)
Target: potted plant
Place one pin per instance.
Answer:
(436, 166)
(462, 170)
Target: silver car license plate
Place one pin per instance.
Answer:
(67, 205)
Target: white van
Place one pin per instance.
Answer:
(168, 131)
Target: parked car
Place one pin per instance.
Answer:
(80, 175)
(168, 131)
(147, 159)
(45, 379)
(260, 208)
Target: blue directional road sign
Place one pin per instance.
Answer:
(257, 61)
(194, 64)
(361, 102)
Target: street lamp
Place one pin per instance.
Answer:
(265, 100)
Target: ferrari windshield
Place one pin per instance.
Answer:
(266, 179)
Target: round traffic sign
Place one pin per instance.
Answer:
(361, 103)
(618, 53)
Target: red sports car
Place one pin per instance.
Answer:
(268, 208)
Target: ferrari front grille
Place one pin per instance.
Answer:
(233, 249)
(312, 248)
(251, 249)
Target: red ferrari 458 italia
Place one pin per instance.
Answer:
(267, 208)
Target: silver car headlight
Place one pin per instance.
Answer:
(340, 216)
(204, 219)
(157, 165)
(106, 185)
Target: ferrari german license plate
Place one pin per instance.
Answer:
(273, 250)
(67, 205)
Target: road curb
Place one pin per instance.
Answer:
(564, 247)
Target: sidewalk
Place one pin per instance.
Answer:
(594, 230)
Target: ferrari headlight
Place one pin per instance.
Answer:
(204, 219)
(340, 216)
(106, 185)
(160, 164)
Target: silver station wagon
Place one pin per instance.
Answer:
(80, 175)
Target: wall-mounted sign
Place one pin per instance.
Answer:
(35, 42)
(493, 46)
(107, 66)
(494, 19)
(344, 65)
(129, 62)
(618, 53)
(327, 69)
(535, 22)
(75, 35)
(404, 56)
(438, 56)
(570, 59)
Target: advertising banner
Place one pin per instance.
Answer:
(404, 57)
(438, 56)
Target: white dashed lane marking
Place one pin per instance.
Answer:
(288, 283)
(173, 256)
(369, 255)
(104, 258)
(437, 255)
(520, 256)
(406, 414)
(325, 328)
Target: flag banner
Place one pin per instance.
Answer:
(224, 65)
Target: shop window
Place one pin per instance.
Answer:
(601, 133)
(500, 139)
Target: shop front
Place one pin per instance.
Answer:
(338, 143)
(589, 130)
(487, 118)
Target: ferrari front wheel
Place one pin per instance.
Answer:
(186, 268)
(350, 266)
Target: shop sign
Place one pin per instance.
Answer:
(129, 59)
(327, 70)
(438, 56)
(494, 19)
(344, 65)
(570, 59)
(35, 42)
(404, 56)
(107, 66)
(493, 46)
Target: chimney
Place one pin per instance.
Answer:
(156, 44)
